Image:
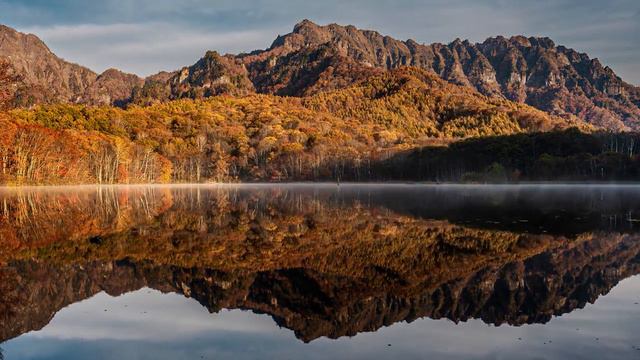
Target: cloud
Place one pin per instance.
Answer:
(147, 315)
(145, 48)
(84, 31)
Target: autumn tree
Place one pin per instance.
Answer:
(219, 164)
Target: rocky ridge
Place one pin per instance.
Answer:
(314, 58)
(533, 70)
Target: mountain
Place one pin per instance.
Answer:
(45, 78)
(314, 59)
(211, 76)
(306, 72)
(531, 70)
(112, 87)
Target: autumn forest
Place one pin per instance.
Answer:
(317, 114)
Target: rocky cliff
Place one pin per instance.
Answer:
(553, 78)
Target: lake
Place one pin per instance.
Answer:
(320, 271)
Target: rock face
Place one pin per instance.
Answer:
(46, 78)
(307, 71)
(113, 87)
(532, 70)
(211, 76)
(316, 58)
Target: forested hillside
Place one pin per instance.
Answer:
(332, 135)
(322, 103)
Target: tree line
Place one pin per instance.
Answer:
(568, 155)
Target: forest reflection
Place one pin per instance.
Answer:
(322, 260)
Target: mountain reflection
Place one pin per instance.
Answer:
(321, 260)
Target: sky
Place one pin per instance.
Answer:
(146, 36)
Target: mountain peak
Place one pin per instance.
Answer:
(11, 40)
(520, 40)
(543, 42)
(305, 23)
(5, 28)
(46, 78)
(112, 72)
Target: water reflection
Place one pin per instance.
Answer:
(322, 261)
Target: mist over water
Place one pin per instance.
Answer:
(319, 270)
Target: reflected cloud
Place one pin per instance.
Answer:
(147, 315)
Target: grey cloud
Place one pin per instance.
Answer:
(143, 48)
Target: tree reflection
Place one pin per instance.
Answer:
(319, 261)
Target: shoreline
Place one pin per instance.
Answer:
(547, 184)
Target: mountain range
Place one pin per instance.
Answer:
(314, 59)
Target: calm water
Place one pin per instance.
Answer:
(320, 271)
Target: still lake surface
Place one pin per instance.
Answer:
(320, 271)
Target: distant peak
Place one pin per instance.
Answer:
(115, 73)
(111, 71)
(14, 36)
(6, 28)
(456, 42)
(521, 40)
(306, 23)
(544, 42)
(212, 54)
